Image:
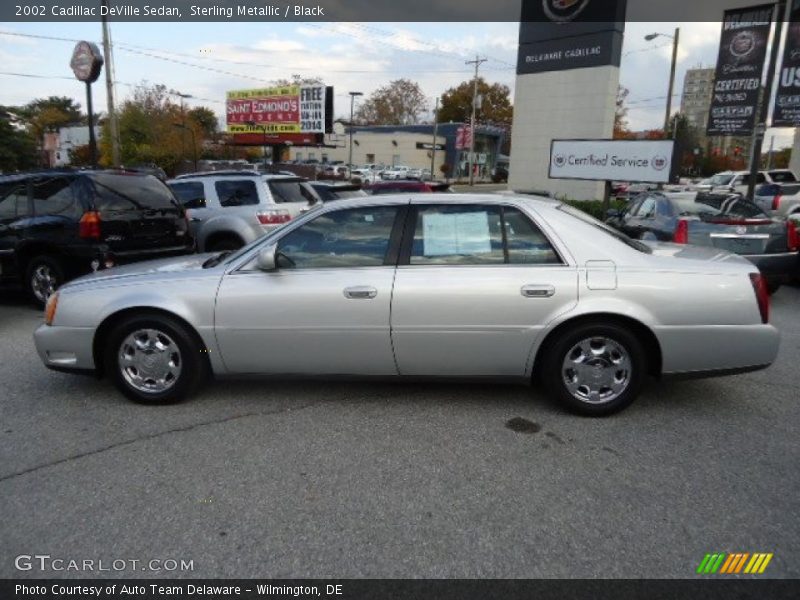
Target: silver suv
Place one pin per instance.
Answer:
(228, 209)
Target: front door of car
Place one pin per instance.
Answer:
(325, 309)
(475, 286)
(192, 196)
(14, 213)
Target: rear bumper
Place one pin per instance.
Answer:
(709, 349)
(782, 266)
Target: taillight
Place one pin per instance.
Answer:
(792, 236)
(89, 225)
(762, 295)
(681, 235)
(273, 216)
(776, 201)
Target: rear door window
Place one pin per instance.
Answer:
(190, 194)
(55, 196)
(236, 192)
(782, 176)
(478, 235)
(14, 200)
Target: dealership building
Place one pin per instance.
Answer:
(411, 146)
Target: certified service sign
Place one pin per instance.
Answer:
(612, 160)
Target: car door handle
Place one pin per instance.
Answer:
(538, 291)
(360, 293)
(195, 220)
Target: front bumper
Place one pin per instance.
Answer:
(65, 348)
(782, 267)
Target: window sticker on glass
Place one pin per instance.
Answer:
(456, 233)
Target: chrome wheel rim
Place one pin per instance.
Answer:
(43, 282)
(150, 361)
(596, 370)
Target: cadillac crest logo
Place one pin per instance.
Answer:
(563, 11)
(560, 160)
(743, 44)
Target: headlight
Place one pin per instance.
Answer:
(50, 309)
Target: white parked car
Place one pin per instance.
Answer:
(395, 172)
(737, 181)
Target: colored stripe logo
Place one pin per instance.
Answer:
(734, 563)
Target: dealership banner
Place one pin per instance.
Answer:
(286, 109)
(558, 35)
(740, 66)
(648, 161)
(786, 112)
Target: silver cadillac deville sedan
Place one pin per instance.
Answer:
(504, 287)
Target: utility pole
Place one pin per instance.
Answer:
(112, 115)
(675, 42)
(435, 131)
(350, 145)
(760, 129)
(477, 62)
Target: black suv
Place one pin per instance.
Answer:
(57, 225)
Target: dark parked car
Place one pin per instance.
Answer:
(407, 187)
(500, 174)
(724, 221)
(337, 191)
(57, 225)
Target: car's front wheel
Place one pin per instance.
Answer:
(154, 360)
(595, 370)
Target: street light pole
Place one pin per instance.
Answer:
(263, 127)
(477, 62)
(350, 144)
(675, 41)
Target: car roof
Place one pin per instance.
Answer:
(221, 173)
(11, 177)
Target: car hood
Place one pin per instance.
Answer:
(165, 267)
(696, 253)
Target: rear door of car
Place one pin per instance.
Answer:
(475, 286)
(14, 213)
(137, 212)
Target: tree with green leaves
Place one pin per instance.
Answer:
(401, 102)
(495, 103)
(17, 146)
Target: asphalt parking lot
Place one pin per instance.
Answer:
(320, 479)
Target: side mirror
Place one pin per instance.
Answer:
(266, 258)
(612, 213)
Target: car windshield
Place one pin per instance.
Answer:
(710, 207)
(721, 179)
(618, 235)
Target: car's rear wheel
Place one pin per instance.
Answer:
(154, 360)
(43, 276)
(595, 370)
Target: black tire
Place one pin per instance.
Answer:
(228, 243)
(555, 373)
(193, 364)
(44, 274)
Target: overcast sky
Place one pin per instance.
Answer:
(205, 59)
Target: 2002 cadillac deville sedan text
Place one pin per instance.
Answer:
(463, 286)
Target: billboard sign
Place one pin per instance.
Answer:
(279, 110)
(612, 160)
(786, 112)
(558, 35)
(740, 65)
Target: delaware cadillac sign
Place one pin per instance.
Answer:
(612, 160)
(737, 82)
(556, 35)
